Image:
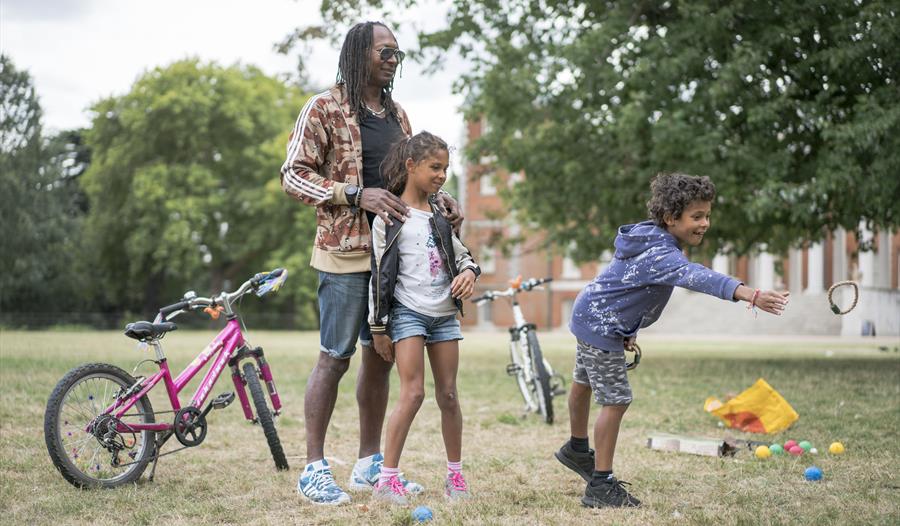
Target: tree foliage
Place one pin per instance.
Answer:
(183, 188)
(39, 219)
(790, 107)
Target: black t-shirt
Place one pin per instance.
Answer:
(378, 134)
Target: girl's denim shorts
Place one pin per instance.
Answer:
(406, 323)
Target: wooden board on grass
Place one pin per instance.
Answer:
(710, 447)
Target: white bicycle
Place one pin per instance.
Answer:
(535, 377)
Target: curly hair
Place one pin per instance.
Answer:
(416, 147)
(671, 193)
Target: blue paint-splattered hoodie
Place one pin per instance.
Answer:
(633, 290)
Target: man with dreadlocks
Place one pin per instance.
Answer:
(333, 163)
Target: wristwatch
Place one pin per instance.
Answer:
(351, 192)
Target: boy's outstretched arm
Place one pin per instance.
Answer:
(768, 300)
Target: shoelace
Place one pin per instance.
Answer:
(619, 487)
(323, 480)
(396, 486)
(457, 481)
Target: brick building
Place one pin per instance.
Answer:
(806, 272)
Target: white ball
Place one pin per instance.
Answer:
(814, 451)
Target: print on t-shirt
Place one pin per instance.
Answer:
(439, 276)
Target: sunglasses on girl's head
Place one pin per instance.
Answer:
(386, 53)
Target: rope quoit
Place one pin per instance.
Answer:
(834, 308)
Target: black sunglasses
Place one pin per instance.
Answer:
(386, 53)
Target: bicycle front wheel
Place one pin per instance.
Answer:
(264, 416)
(541, 379)
(521, 371)
(86, 444)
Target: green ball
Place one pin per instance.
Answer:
(776, 449)
(805, 445)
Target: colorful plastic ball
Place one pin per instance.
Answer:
(806, 445)
(796, 451)
(422, 514)
(776, 449)
(789, 444)
(763, 452)
(813, 473)
(814, 451)
(836, 448)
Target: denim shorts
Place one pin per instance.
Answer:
(406, 323)
(605, 373)
(343, 313)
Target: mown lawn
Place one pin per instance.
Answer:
(844, 390)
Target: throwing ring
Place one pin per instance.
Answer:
(637, 356)
(834, 308)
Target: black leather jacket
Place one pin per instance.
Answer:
(386, 264)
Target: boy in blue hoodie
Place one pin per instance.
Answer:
(628, 295)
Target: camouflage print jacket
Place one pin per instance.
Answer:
(324, 154)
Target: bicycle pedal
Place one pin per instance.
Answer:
(223, 400)
(513, 369)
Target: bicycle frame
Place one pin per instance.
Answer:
(229, 348)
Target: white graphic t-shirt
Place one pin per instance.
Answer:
(423, 284)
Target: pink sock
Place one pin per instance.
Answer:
(454, 467)
(386, 474)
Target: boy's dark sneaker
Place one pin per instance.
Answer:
(581, 463)
(609, 494)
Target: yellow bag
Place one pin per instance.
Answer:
(759, 409)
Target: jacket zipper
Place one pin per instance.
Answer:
(450, 263)
(378, 269)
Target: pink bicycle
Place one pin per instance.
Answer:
(100, 428)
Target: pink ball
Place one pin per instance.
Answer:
(789, 444)
(796, 451)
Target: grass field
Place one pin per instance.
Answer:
(844, 390)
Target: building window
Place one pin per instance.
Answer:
(565, 311)
(484, 313)
(488, 260)
(487, 186)
(570, 269)
(486, 180)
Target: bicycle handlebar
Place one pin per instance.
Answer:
(525, 286)
(224, 298)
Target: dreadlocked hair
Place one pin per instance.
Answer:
(417, 148)
(673, 192)
(353, 68)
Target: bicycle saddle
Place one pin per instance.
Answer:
(144, 330)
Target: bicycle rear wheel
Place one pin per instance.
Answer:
(85, 444)
(264, 416)
(541, 379)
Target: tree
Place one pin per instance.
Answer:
(183, 187)
(39, 223)
(790, 107)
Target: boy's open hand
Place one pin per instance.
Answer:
(772, 302)
(384, 347)
(463, 285)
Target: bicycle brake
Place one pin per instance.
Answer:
(513, 369)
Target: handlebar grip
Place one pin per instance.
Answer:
(169, 309)
(263, 276)
(479, 298)
(546, 280)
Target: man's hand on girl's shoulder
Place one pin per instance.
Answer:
(450, 209)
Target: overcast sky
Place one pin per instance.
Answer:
(78, 51)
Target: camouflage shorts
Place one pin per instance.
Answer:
(605, 372)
